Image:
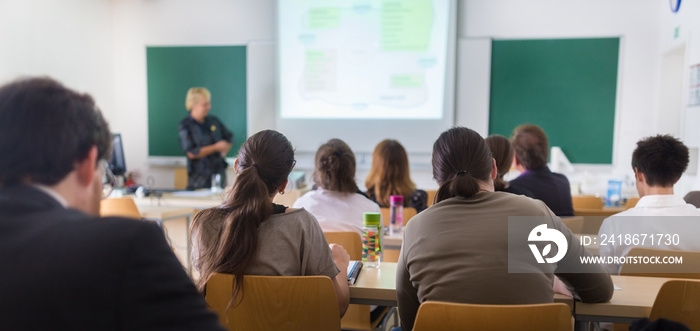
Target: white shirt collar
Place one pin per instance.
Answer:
(666, 200)
(54, 194)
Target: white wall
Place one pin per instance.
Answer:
(99, 47)
(138, 24)
(635, 22)
(69, 40)
(688, 37)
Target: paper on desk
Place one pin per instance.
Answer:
(616, 287)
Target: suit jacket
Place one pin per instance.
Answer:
(65, 270)
(552, 188)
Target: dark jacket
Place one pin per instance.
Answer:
(193, 136)
(552, 188)
(65, 270)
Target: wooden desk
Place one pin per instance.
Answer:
(377, 286)
(203, 199)
(632, 301)
(183, 201)
(607, 211)
(161, 214)
(392, 242)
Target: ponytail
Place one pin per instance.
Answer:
(462, 184)
(264, 162)
(461, 162)
(499, 184)
(502, 152)
(335, 167)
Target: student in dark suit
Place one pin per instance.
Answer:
(531, 149)
(64, 268)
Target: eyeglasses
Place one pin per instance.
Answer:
(108, 181)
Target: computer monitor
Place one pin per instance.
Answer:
(117, 163)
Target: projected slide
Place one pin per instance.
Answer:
(362, 59)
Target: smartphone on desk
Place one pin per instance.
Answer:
(354, 268)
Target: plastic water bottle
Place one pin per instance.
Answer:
(396, 213)
(371, 240)
(614, 195)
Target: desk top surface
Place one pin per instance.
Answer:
(170, 200)
(164, 212)
(633, 299)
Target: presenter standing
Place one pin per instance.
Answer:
(205, 141)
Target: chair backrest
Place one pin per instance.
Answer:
(693, 198)
(408, 213)
(351, 241)
(123, 207)
(180, 178)
(678, 300)
(574, 223)
(690, 268)
(631, 202)
(461, 316)
(587, 202)
(431, 196)
(357, 317)
(276, 303)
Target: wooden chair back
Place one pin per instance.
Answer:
(690, 268)
(122, 207)
(276, 303)
(180, 178)
(357, 317)
(587, 202)
(431, 196)
(460, 316)
(351, 241)
(574, 223)
(678, 300)
(408, 213)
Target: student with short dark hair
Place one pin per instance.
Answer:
(336, 202)
(457, 250)
(390, 175)
(64, 267)
(531, 148)
(250, 235)
(658, 163)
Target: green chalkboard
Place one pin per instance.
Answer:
(173, 70)
(566, 86)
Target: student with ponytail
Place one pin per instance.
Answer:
(336, 202)
(250, 235)
(457, 250)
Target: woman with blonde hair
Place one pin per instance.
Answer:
(250, 235)
(390, 175)
(204, 139)
(336, 202)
